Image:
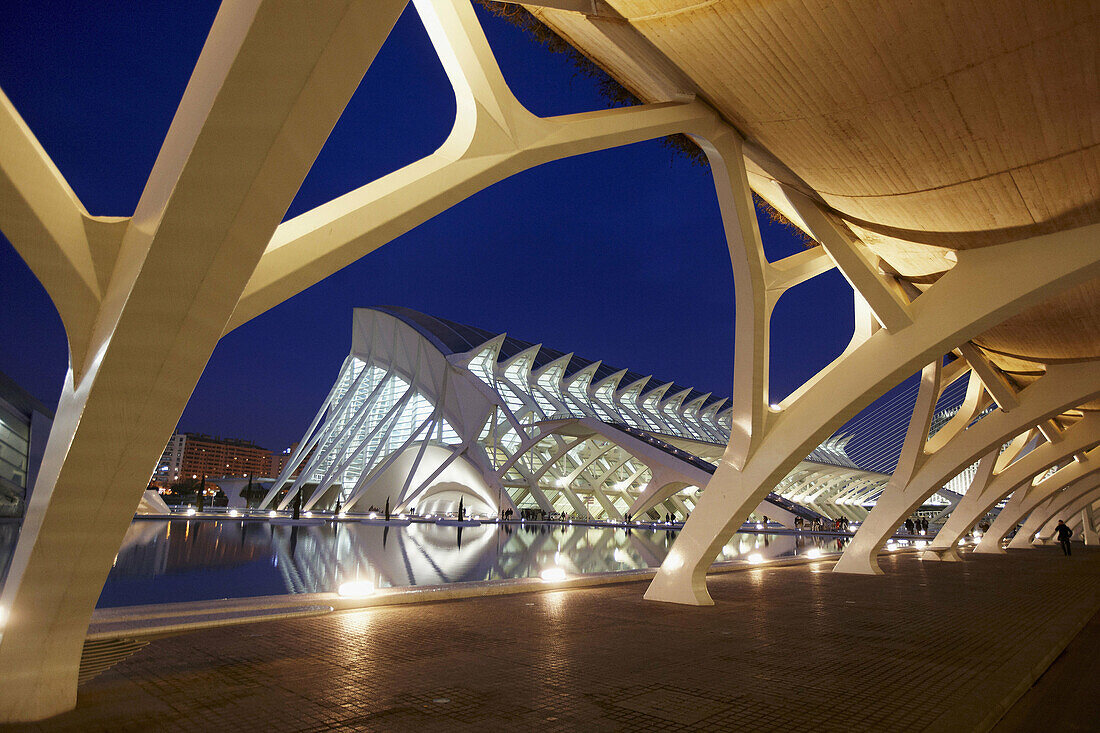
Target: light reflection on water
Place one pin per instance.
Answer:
(182, 560)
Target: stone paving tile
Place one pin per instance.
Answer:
(1064, 698)
(927, 645)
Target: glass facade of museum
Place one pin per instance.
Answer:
(534, 428)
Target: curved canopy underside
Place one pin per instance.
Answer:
(927, 127)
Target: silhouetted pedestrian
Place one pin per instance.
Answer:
(1063, 533)
(909, 526)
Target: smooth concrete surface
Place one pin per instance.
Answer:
(936, 646)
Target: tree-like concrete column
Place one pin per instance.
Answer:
(145, 300)
(1040, 502)
(1088, 526)
(1011, 277)
(494, 137)
(1017, 478)
(1073, 500)
(1063, 387)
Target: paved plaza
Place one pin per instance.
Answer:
(931, 646)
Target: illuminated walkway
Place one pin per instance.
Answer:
(936, 646)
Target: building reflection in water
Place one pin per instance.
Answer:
(202, 559)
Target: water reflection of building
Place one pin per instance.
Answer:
(159, 548)
(309, 559)
(425, 412)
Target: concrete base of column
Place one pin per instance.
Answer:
(946, 554)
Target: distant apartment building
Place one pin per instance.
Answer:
(279, 461)
(194, 455)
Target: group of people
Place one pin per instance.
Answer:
(915, 526)
(821, 525)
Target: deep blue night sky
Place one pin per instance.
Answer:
(617, 255)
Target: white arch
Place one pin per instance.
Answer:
(990, 487)
(1039, 503)
(1064, 386)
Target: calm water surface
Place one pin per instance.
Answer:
(185, 560)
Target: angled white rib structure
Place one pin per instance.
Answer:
(1047, 494)
(1078, 498)
(928, 467)
(145, 299)
(1020, 478)
(943, 316)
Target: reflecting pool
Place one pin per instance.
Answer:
(185, 560)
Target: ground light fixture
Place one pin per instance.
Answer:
(356, 589)
(755, 558)
(272, 514)
(191, 511)
(552, 575)
(234, 513)
(813, 553)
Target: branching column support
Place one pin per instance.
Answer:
(1062, 506)
(1088, 526)
(493, 137)
(861, 556)
(960, 521)
(1064, 386)
(1016, 479)
(660, 487)
(1011, 277)
(881, 292)
(1053, 492)
(144, 300)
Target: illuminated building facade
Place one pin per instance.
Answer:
(194, 455)
(425, 412)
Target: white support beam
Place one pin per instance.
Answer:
(1011, 277)
(70, 252)
(1050, 430)
(493, 137)
(1003, 393)
(1063, 387)
(881, 292)
(784, 274)
(233, 159)
(1041, 523)
(1029, 498)
(725, 152)
(893, 506)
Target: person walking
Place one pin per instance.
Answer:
(908, 526)
(1064, 533)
